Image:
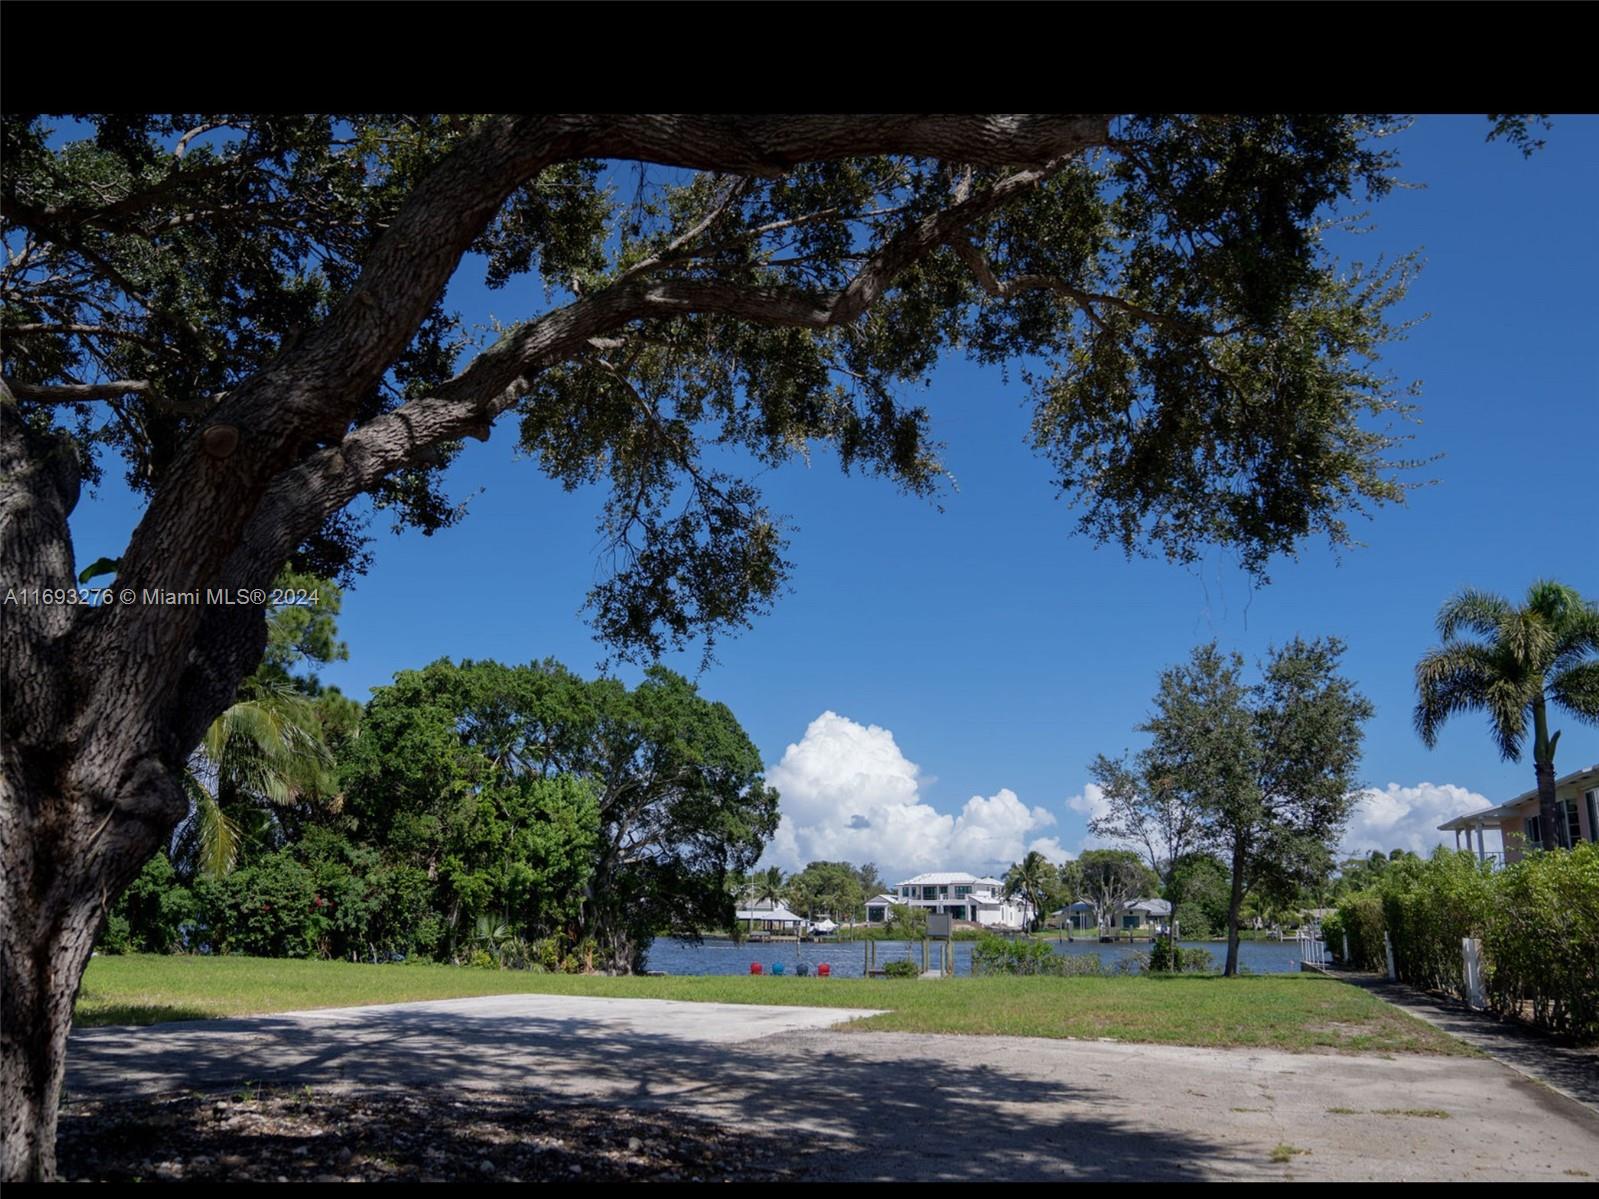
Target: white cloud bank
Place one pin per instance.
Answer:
(1399, 817)
(849, 794)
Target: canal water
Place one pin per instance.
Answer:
(847, 958)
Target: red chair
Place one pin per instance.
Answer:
(824, 971)
(755, 967)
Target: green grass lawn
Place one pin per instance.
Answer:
(1285, 1011)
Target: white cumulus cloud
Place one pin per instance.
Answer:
(848, 793)
(1397, 817)
(1090, 803)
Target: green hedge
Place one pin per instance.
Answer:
(1543, 947)
(1359, 917)
(1538, 921)
(1428, 908)
(1001, 955)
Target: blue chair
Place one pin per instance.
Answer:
(777, 967)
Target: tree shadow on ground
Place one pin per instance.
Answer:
(837, 1113)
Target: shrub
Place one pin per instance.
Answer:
(150, 915)
(1538, 921)
(1167, 957)
(1542, 947)
(1428, 908)
(1332, 932)
(1192, 921)
(997, 955)
(268, 909)
(904, 968)
(1360, 915)
(1071, 965)
(114, 938)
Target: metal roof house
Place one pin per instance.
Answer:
(772, 917)
(976, 899)
(1135, 914)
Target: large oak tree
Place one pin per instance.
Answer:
(248, 312)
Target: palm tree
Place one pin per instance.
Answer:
(1544, 652)
(264, 751)
(1030, 878)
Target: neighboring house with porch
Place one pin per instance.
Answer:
(964, 896)
(765, 916)
(1077, 916)
(879, 906)
(1519, 824)
(1142, 915)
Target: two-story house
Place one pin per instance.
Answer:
(963, 896)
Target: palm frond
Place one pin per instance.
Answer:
(1451, 679)
(1553, 602)
(270, 747)
(1529, 640)
(1474, 611)
(1576, 689)
(216, 834)
(1577, 637)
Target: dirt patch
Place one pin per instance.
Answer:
(329, 1136)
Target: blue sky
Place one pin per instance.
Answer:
(997, 651)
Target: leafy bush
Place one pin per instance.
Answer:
(1332, 932)
(1542, 947)
(904, 968)
(1192, 921)
(150, 915)
(1538, 921)
(269, 909)
(1428, 908)
(999, 955)
(114, 938)
(1071, 965)
(1168, 957)
(1360, 915)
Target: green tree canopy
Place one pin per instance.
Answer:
(1108, 878)
(828, 889)
(1268, 769)
(1197, 889)
(642, 801)
(1036, 880)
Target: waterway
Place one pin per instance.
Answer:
(847, 958)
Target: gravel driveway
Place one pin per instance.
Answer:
(862, 1105)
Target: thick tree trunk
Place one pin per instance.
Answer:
(1235, 904)
(1543, 756)
(1549, 813)
(65, 860)
(85, 796)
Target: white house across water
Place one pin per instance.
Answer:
(963, 896)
